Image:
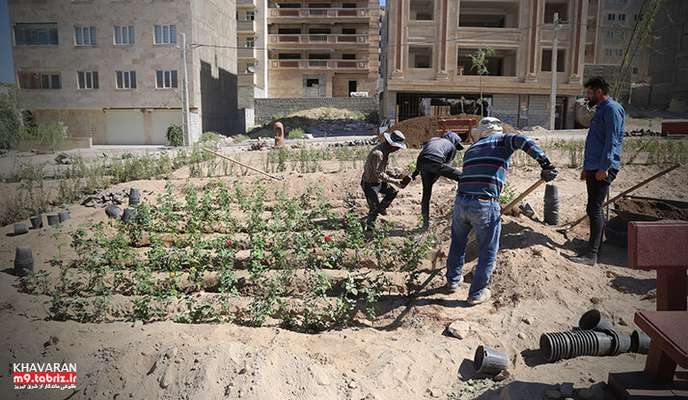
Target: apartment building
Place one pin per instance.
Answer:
(429, 48)
(252, 56)
(112, 70)
(610, 29)
(323, 48)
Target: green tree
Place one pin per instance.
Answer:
(479, 64)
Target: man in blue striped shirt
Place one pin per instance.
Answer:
(485, 166)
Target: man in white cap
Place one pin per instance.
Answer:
(377, 177)
(476, 208)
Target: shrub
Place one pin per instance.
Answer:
(175, 136)
(240, 138)
(210, 137)
(49, 135)
(296, 133)
(10, 121)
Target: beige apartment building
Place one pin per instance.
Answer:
(112, 70)
(428, 58)
(252, 57)
(323, 48)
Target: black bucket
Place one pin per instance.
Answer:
(134, 197)
(593, 320)
(37, 221)
(23, 261)
(551, 209)
(488, 361)
(63, 216)
(113, 211)
(20, 229)
(640, 342)
(129, 215)
(563, 345)
(53, 219)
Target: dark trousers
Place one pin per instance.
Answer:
(375, 206)
(430, 172)
(597, 193)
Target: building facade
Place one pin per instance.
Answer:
(112, 70)
(430, 44)
(252, 56)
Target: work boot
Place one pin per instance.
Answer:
(453, 287)
(585, 259)
(484, 296)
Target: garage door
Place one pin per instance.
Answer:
(161, 119)
(124, 127)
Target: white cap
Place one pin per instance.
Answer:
(396, 139)
(488, 126)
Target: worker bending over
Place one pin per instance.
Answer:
(434, 161)
(485, 166)
(377, 177)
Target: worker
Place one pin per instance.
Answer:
(601, 161)
(476, 207)
(434, 161)
(377, 178)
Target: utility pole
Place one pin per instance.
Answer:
(553, 94)
(185, 96)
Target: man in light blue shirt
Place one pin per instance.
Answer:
(602, 160)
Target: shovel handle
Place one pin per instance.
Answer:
(521, 196)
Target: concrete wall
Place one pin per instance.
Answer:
(538, 111)
(505, 107)
(267, 108)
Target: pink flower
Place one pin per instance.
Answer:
(229, 242)
(328, 238)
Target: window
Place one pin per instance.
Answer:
(610, 35)
(637, 17)
(87, 79)
(40, 80)
(124, 35)
(165, 34)
(547, 60)
(611, 17)
(35, 34)
(312, 82)
(166, 79)
(635, 70)
(420, 57)
(552, 7)
(349, 31)
(618, 52)
(608, 52)
(85, 35)
(422, 10)
(622, 17)
(126, 79)
(348, 56)
(250, 15)
(250, 42)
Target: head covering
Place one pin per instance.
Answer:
(396, 139)
(454, 138)
(487, 126)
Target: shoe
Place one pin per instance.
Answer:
(453, 287)
(481, 298)
(585, 259)
(382, 211)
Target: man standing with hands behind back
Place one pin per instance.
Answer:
(602, 160)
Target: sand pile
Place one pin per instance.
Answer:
(420, 129)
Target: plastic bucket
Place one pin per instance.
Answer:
(23, 261)
(488, 361)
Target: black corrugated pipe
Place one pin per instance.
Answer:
(562, 345)
(551, 211)
(592, 319)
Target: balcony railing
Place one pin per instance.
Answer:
(246, 2)
(361, 65)
(320, 12)
(246, 26)
(317, 39)
(246, 52)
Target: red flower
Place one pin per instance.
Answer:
(328, 238)
(229, 242)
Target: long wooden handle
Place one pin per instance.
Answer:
(625, 192)
(279, 178)
(520, 197)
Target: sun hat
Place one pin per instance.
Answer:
(396, 139)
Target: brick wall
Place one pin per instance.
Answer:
(267, 108)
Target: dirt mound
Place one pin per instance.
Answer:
(420, 129)
(655, 208)
(328, 113)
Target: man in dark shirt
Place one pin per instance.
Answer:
(434, 161)
(602, 160)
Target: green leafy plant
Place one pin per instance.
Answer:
(296, 133)
(175, 136)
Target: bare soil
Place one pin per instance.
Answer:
(404, 353)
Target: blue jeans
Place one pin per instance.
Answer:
(483, 216)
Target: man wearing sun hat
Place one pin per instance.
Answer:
(377, 178)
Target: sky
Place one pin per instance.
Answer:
(6, 63)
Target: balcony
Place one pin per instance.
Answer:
(246, 26)
(246, 52)
(311, 65)
(246, 3)
(317, 39)
(310, 14)
(247, 79)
